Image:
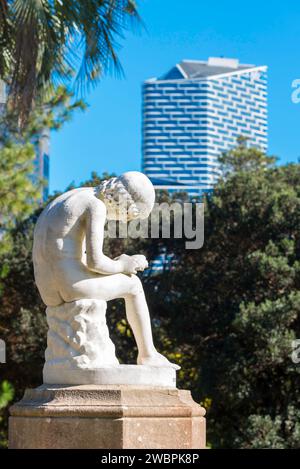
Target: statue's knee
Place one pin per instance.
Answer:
(136, 285)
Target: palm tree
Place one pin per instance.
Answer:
(48, 42)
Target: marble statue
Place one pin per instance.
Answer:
(76, 279)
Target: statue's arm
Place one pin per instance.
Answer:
(96, 259)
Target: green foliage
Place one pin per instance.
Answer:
(6, 395)
(227, 313)
(22, 319)
(19, 193)
(236, 302)
(245, 158)
(44, 43)
(51, 113)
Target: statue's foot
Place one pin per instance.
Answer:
(156, 359)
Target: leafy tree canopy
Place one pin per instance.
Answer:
(227, 313)
(19, 188)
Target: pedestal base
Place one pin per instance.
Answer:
(136, 375)
(108, 417)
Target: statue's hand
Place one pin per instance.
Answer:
(141, 261)
(133, 264)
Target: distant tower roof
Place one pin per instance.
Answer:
(197, 69)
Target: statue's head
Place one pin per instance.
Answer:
(127, 197)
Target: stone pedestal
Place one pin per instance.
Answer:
(107, 416)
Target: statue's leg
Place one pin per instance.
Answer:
(129, 287)
(139, 319)
(138, 316)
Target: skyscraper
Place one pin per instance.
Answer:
(41, 162)
(196, 111)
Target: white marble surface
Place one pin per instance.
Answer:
(135, 375)
(78, 336)
(70, 266)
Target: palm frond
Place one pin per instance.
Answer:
(73, 42)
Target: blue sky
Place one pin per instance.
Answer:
(107, 137)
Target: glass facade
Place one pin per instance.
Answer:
(46, 176)
(42, 162)
(196, 112)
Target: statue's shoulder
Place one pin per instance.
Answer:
(78, 194)
(62, 198)
(96, 205)
(82, 198)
